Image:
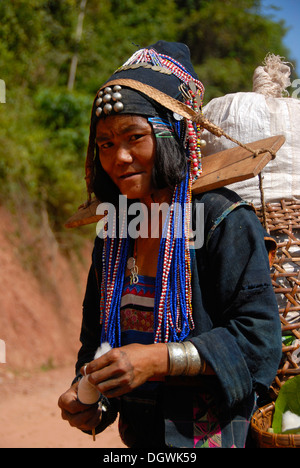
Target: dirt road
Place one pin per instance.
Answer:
(30, 417)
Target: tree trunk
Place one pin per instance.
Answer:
(73, 67)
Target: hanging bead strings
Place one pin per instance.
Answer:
(173, 323)
(194, 131)
(114, 255)
(172, 309)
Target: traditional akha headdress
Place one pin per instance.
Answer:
(155, 82)
(160, 75)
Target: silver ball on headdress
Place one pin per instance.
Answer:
(98, 111)
(107, 108)
(99, 101)
(117, 88)
(118, 106)
(106, 97)
(107, 90)
(117, 96)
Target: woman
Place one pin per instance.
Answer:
(194, 328)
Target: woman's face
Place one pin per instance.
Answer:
(127, 153)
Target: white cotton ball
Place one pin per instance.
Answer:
(104, 348)
(290, 421)
(87, 393)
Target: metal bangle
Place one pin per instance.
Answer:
(193, 359)
(184, 359)
(178, 358)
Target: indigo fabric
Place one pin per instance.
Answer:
(237, 331)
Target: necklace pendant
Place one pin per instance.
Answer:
(135, 278)
(132, 267)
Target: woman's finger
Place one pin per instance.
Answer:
(85, 420)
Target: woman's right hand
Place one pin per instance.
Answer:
(84, 417)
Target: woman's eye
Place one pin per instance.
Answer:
(105, 145)
(136, 137)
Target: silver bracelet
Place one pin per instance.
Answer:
(193, 358)
(184, 359)
(177, 358)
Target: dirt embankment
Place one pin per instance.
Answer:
(41, 296)
(41, 300)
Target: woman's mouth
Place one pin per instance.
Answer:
(129, 175)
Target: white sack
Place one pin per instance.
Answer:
(253, 116)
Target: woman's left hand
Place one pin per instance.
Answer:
(121, 370)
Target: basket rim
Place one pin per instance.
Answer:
(261, 412)
(271, 438)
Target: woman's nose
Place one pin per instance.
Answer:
(123, 154)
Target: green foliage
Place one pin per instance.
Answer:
(228, 40)
(36, 40)
(44, 126)
(40, 159)
(114, 30)
(288, 400)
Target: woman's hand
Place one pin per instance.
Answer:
(78, 415)
(122, 369)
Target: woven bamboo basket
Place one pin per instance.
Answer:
(282, 220)
(261, 422)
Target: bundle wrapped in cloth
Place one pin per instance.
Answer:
(251, 116)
